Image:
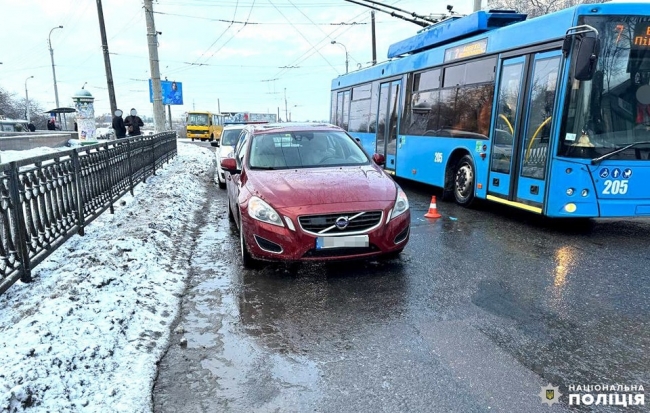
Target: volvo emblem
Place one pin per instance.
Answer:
(342, 222)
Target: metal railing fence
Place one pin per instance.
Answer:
(45, 200)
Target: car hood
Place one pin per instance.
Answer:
(223, 151)
(317, 186)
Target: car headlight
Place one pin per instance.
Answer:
(401, 204)
(261, 211)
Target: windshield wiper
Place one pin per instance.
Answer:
(614, 152)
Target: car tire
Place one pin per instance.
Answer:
(222, 184)
(246, 259)
(464, 181)
(211, 138)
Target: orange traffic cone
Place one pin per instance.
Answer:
(433, 209)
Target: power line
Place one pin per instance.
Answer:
(302, 35)
(257, 23)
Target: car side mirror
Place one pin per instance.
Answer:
(587, 48)
(379, 159)
(230, 165)
(215, 143)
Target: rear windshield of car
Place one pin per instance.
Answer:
(229, 137)
(306, 149)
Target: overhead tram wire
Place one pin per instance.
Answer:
(308, 18)
(221, 35)
(250, 11)
(182, 69)
(303, 36)
(256, 23)
(307, 54)
(392, 13)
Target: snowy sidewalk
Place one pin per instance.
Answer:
(87, 333)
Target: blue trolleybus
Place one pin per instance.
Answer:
(551, 115)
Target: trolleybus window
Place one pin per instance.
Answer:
(538, 129)
(360, 108)
(504, 129)
(612, 110)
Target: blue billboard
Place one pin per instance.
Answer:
(172, 92)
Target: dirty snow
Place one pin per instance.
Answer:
(87, 333)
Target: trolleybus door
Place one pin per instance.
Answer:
(521, 132)
(387, 122)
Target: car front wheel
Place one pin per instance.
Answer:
(247, 260)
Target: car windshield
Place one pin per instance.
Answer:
(305, 150)
(197, 119)
(230, 137)
(612, 110)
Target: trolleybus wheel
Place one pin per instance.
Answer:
(464, 178)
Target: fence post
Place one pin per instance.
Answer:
(21, 230)
(80, 198)
(153, 154)
(129, 149)
(109, 173)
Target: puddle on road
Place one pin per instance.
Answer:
(223, 365)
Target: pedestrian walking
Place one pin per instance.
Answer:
(118, 125)
(133, 123)
(51, 124)
(31, 127)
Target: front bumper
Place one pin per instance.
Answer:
(272, 243)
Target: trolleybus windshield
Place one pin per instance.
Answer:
(612, 110)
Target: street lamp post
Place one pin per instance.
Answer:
(49, 42)
(27, 99)
(346, 53)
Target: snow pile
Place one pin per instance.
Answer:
(87, 333)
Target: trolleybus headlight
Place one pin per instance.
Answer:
(570, 208)
(585, 192)
(570, 191)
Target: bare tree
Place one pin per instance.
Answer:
(13, 107)
(536, 8)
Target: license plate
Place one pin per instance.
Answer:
(350, 241)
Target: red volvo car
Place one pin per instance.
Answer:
(303, 192)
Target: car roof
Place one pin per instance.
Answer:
(229, 127)
(292, 127)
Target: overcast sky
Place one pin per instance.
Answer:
(243, 67)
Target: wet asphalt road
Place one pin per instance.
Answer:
(485, 306)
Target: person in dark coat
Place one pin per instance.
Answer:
(118, 125)
(51, 124)
(133, 123)
(31, 127)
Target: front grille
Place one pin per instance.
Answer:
(340, 252)
(318, 223)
